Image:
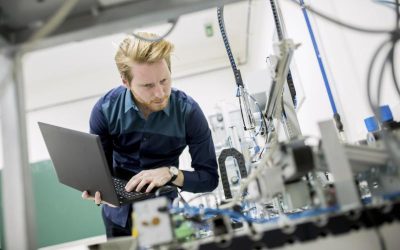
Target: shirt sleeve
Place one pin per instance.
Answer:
(99, 126)
(205, 177)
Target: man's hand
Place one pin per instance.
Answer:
(154, 178)
(97, 198)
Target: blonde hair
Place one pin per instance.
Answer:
(132, 50)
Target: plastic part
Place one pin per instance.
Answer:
(371, 124)
(386, 113)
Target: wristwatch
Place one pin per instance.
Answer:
(174, 171)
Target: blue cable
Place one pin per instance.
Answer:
(318, 55)
(392, 196)
(208, 213)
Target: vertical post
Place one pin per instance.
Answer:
(291, 123)
(339, 166)
(281, 32)
(19, 223)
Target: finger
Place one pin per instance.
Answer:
(150, 187)
(86, 196)
(130, 186)
(132, 179)
(135, 179)
(141, 184)
(97, 198)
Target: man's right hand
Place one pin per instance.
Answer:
(97, 198)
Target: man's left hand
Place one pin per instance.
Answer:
(153, 178)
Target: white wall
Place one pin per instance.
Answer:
(346, 55)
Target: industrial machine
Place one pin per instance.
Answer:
(297, 189)
(276, 190)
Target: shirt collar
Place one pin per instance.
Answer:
(130, 103)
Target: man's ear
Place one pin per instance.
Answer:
(126, 83)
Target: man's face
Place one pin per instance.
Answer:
(150, 85)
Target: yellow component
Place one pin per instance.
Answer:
(135, 232)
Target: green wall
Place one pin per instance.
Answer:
(61, 214)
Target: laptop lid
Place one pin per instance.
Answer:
(79, 161)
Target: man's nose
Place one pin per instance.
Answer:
(159, 91)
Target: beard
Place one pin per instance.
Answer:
(153, 105)
(157, 104)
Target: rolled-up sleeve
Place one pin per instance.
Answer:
(205, 177)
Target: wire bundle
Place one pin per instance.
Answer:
(207, 213)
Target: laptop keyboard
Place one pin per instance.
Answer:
(123, 194)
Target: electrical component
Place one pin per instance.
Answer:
(222, 230)
(153, 222)
(184, 230)
(267, 185)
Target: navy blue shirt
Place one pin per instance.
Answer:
(132, 143)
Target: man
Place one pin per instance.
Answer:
(144, 126)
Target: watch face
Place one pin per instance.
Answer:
(174, 170)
